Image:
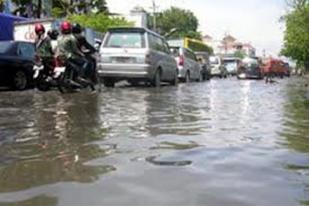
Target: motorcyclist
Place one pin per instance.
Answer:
(87, 49)
(43, 45)
(69, 51)
(68, 46)
(53, 35)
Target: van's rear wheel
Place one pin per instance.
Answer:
(156, 82)
(108, 82)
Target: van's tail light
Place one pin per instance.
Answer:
(181, 61)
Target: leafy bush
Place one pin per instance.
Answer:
(99, 22)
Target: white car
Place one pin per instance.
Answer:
(217, 67)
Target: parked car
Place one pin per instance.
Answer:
(231, 65)
(203, 59)
(189, 68)
(217, 67)
(250, 69)
(136, 55)
(16, 64)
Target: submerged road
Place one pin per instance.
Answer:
(222, 142)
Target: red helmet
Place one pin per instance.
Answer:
(66, 27)
(39, 29)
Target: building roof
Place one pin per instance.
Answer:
(229, 38)
(207, 36)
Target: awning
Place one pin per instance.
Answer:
(7, 26)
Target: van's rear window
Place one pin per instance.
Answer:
(125, 40)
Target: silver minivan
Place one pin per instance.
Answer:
(136, 55)
(189, 68)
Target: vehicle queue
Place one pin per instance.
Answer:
(137, 55)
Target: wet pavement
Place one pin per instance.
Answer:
(223, 142)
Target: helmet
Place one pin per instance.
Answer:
(77, 28)
(39, 29)
(53, 34)
(66, 27)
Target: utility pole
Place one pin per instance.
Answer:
(154, 11)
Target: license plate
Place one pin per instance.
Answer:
(123, 60)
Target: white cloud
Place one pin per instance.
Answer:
(255, 21)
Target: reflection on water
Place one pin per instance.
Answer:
(36, 201)
(50, 142)
(296, 133)
(223, 142)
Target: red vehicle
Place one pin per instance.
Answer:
(275, 67)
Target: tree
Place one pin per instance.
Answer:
(63, 8)
(1, 5)
(240, 54)
(99, 22)
(296, 36)
(184, 21)
(23, 5)
(296, 4)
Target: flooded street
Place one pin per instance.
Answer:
(223, 142)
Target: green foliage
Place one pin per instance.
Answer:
(184, 21)
(239, 54)
(99, 22)
(296, 36)
(1, 5)
(64, 8)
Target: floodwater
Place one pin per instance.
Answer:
(223, 142)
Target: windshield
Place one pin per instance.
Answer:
(231, 65)
(214, 60)
(175, 51)
(125, 40)
(4, 47)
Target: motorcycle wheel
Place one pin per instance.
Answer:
(42, 85)
(63, 83)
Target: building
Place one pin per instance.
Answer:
(229, 45)
(210, 41)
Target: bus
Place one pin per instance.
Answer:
(193, 44)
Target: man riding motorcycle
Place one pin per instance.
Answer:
(43, 46)
(69, 51)
(87, 49)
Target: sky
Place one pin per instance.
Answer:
(253, 21)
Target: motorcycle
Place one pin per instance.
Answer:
(44, 74)
(70, 77)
